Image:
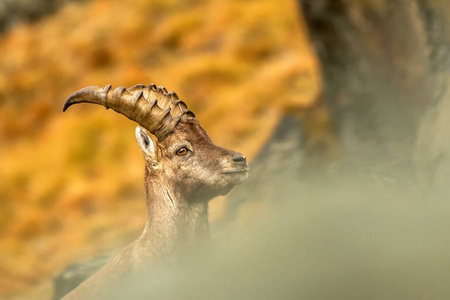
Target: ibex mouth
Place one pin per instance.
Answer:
(245, 170)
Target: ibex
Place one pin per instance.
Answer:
(183, 171)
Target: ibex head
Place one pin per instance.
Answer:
(176, 148)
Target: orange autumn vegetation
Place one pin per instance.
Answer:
(71, 184)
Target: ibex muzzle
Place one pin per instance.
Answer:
(184, 170)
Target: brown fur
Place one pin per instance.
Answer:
(178, 189)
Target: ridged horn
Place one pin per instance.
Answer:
(152, 107)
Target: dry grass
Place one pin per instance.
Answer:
(71, 183)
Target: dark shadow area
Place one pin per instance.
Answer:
(14, 12)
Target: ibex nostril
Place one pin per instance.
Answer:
(239, 158)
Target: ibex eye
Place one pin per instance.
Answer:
(182, 151)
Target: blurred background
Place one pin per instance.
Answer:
(72, 184)
(341, 107)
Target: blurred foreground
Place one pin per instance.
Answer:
(345, 238)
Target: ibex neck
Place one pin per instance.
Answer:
(173, 224)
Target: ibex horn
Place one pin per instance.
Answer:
(152, 107)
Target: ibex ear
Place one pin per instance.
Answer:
(148, 144)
